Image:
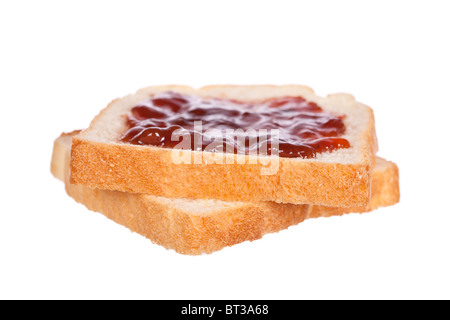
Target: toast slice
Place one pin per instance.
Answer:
(196, 227)
(340, 178)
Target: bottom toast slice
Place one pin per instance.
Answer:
(196, 227)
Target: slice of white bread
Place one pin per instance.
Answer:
(341, 178)
(204, 226)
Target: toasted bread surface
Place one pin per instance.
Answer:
(204, 226)
(341, 178)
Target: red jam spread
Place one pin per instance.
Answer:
(304, 128)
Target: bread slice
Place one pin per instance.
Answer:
(204, 226)
(341, 178)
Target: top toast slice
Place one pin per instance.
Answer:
(340, 178)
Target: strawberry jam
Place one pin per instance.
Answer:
(303, 128)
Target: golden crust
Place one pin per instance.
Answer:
(385, 192)
(150, 170)
(190, 230)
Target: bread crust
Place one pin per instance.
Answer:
(149, 170)
(186, 227)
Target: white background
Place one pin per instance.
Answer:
(61, 62)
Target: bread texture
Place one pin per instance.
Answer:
(341, 178)
(195, 227)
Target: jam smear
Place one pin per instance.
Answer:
(168, 118)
